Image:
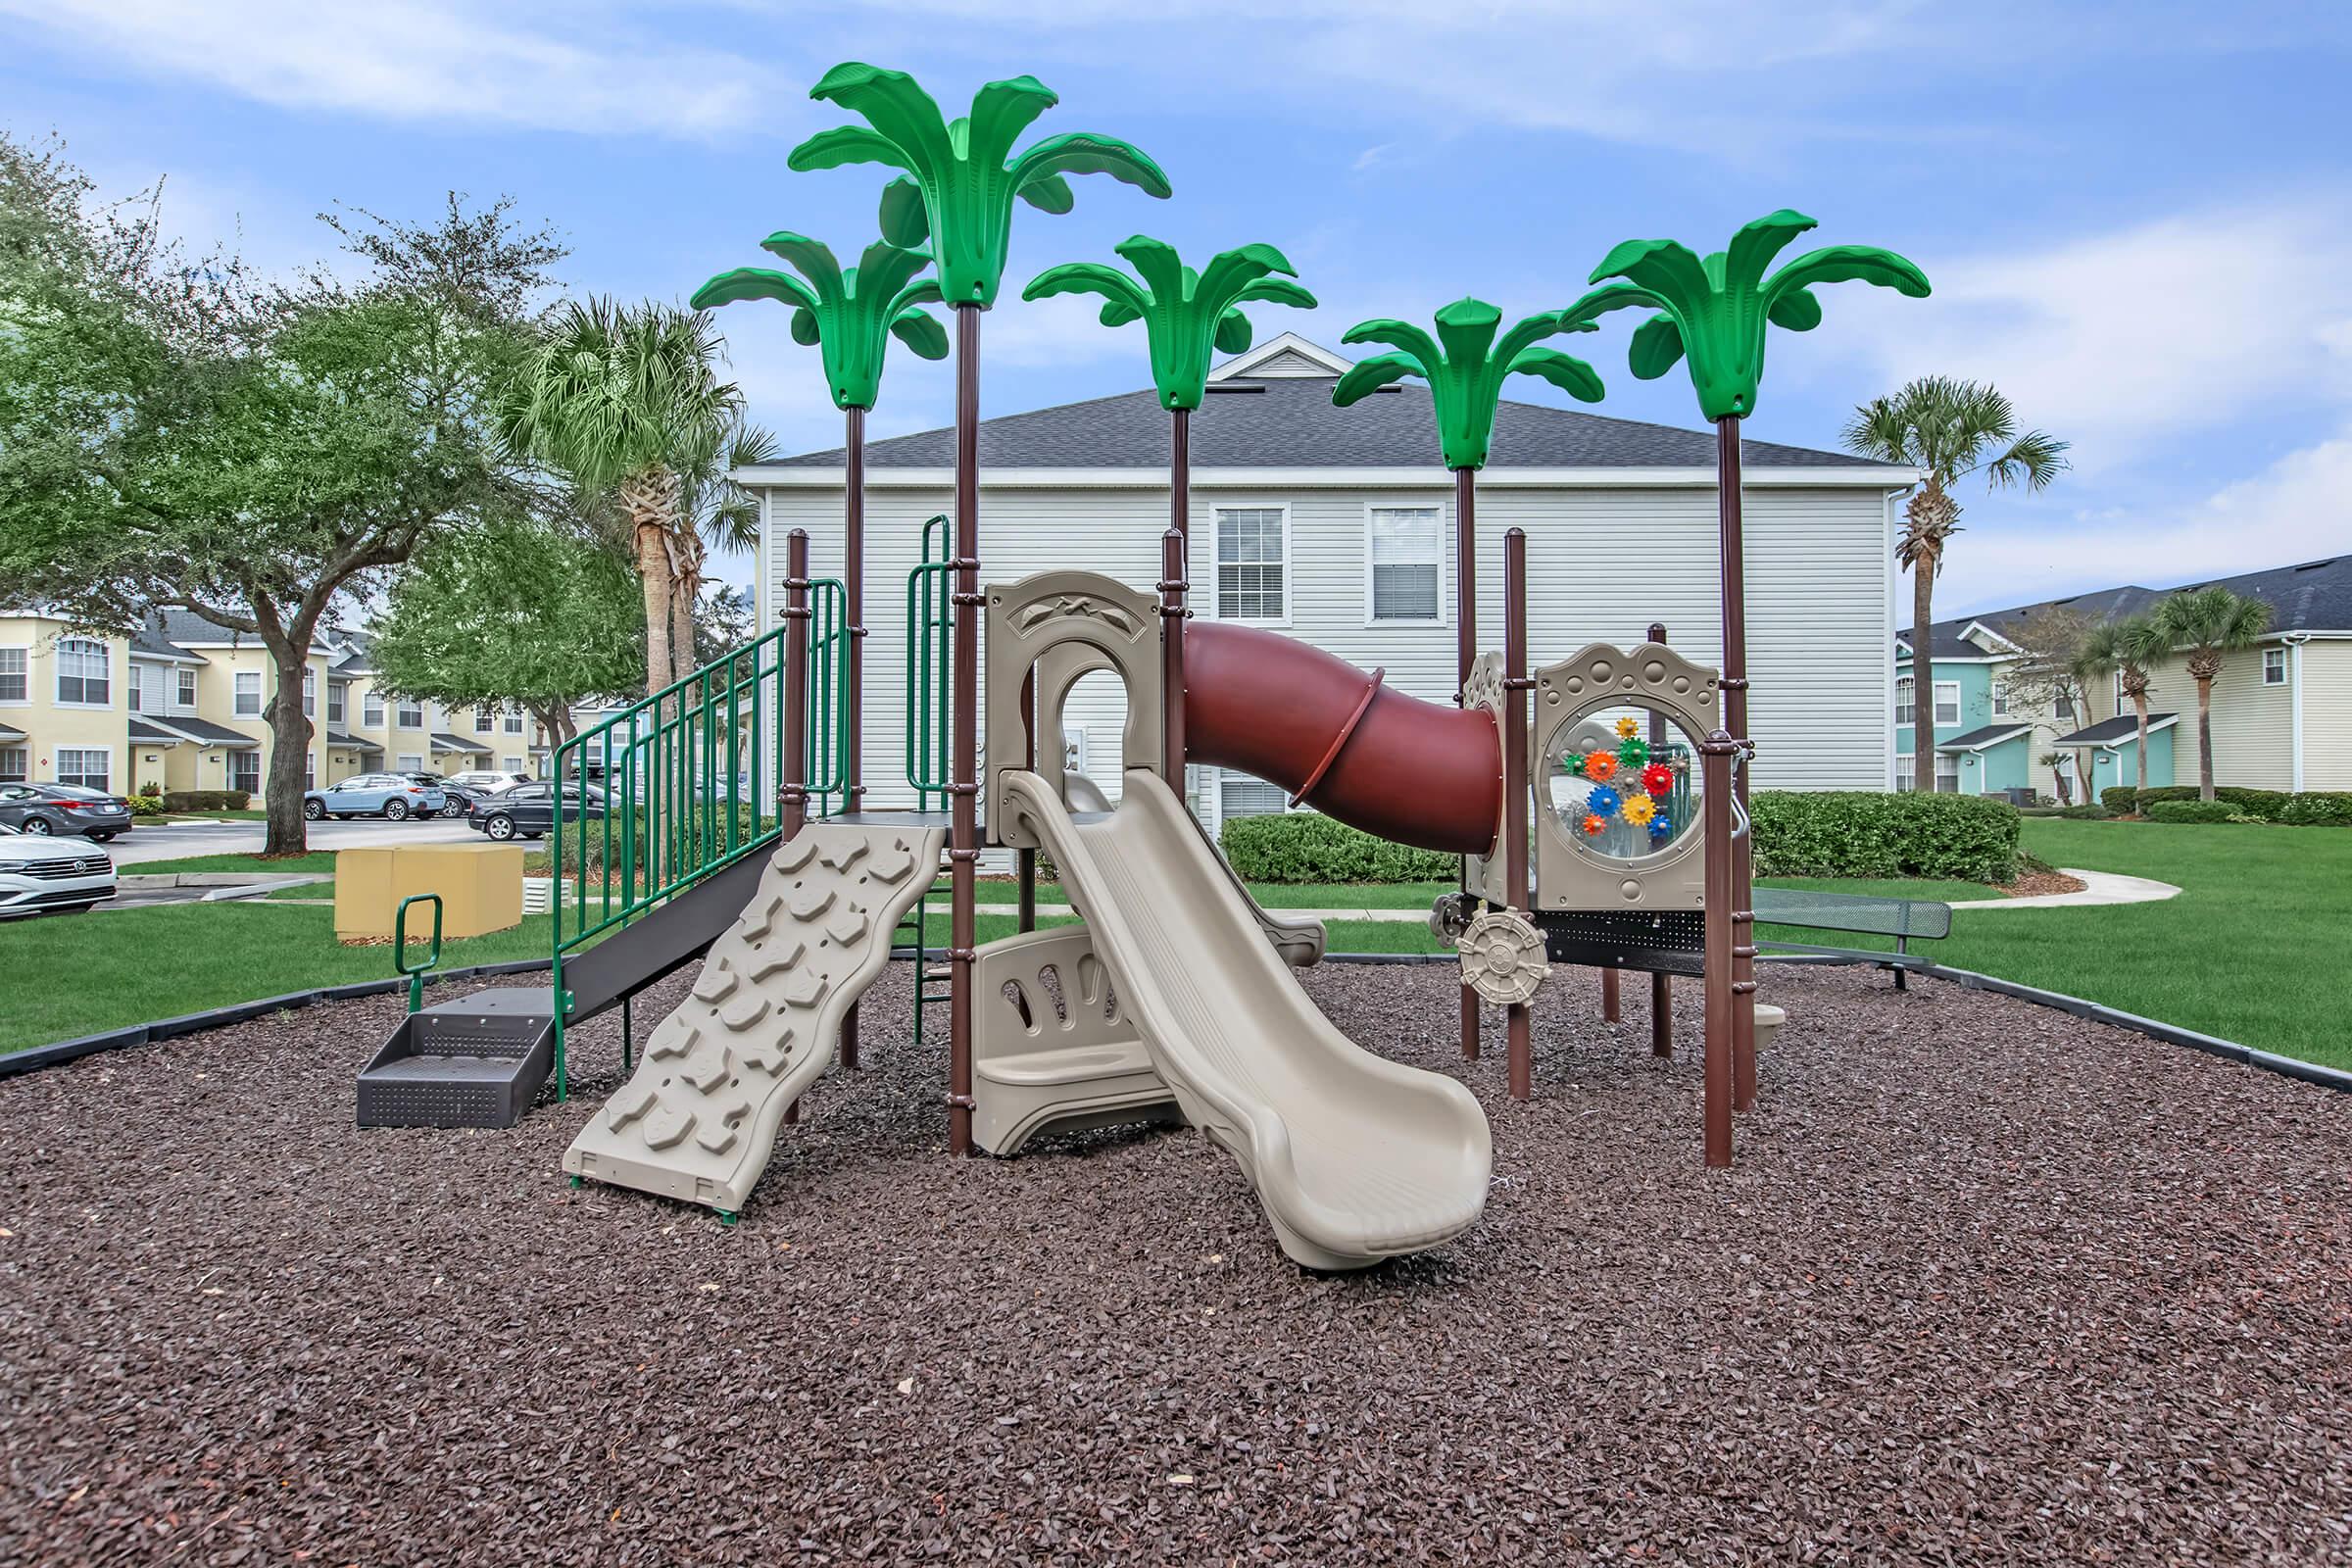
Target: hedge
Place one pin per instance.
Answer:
(2311, 808)
(1308, 847)
(2319, 808)
(2192, 812)
(207, 800)
(1968, 838)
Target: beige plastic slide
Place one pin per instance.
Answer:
(699, 1120)
(1355, 1157)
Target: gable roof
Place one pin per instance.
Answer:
(203, 731)
(1280, 416)
(1984, 737)
(2117, 730)
(2310, 596)
(180, 630)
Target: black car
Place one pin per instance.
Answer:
(459, 800)
(528, 811)
(39, 808)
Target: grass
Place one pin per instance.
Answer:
(1269, 895)
(321, 862)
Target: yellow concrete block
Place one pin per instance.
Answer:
(480, 886)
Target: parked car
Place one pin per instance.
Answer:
(45, 808)
(479, 784)
(454, 801)
(528, 811)
(393, 796)
(40, 876)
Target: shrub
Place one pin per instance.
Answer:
(146, 805)
(205, 800)
(2318, 809)
(1968, 838)
(1308, 847)
(2177, 812)
(2120, 798)
(2084, 814)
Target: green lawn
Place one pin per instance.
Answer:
(1269, 895)
(321, 862)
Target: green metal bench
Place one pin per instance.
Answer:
(1904, 919)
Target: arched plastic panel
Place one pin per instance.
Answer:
(1058, 670)
(1051, 610)
(1651, 675)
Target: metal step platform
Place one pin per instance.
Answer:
(476, 1062)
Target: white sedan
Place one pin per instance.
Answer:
(47, 875)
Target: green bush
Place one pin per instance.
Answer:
(205, 800)
(1968, 838)
(146, 805)
(1308, 847)
(2120, 798)
(2194, 812)
(2318, 809)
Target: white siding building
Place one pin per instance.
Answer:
(1336, 526)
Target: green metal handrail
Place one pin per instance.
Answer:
(930, 666)
(400, 946)
(691, 776)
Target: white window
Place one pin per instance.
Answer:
(2274, 666)
(1947, 701)
(249, 693)
(482, 718)
(1947, 773)
(185, 694)
(510, 764)
(513, 718)
(410, 716)
(372, 710)
(1403, 552)
(2000, 700)
(1906, 707)
(2064, 704)
(408, 763)
(14, 760)
(14, 687)
(339, 695)
(2119, 691)
(85, 767)
(1252, 559)
(310, 691)
(245, 771)
(82, 673)
(1248, 797)
(136, 694)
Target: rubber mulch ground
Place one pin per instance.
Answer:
(1988, 1285)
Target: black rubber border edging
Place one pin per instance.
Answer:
(17, 1063)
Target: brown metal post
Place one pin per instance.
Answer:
(1610, 1007)
(963, 788)
(792, 795)
(1026, 859)
(1715, 784)
(1519, 1037)
(853, 576)
(1735, 720)
(1465, 652)
(1661, 985)
(1171, 654)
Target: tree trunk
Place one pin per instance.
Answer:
(685, 595)
(2204, 737)
(653, 571)
(289, 746)
(2140, 708)
(1923, 674)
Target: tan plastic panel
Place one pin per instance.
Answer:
(1051, 1048)
(699, 1118)
(1051, 610)
(1355, 1157)
(1569, 876)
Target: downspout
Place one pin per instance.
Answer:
(2294, 641)
(1894, 581)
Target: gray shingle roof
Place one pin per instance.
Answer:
(1289, 422)
(148, 638)
(187, 727)
(175, 629)
(2310, 596)
(2107, 731)
(1982, 736)
(356, 743)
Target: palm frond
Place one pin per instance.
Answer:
(847, 144)
(897, 109)
(1001, 111)
(1655, 348)
(1755, 245)
(1082, 152)
(1400, 335)
(1570, 375)
(1367, 375)
(753, 283)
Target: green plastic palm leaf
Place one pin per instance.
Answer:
(1715, 311)
(850, 314)
(961, 175)
(1465, 368)
(1187, 316)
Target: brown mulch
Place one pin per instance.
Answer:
(1988, 1285)
(2034, 884)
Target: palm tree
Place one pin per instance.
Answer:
(1714, 313)
(2056, 761)
(715, 512)
(958, 198)
(1465, 367)
(851, 314)
(1187, 317)
(2209, 623)
(625, 400)
(1948, 431)
(2126, 649)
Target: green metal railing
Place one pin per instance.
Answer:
(400, 946)
(689, 780)
(930, 678)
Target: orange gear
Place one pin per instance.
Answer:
(1594, 826)
(1599, 766)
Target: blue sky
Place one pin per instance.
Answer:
(2136, 216)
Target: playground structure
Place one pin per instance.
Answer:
(1175, 1000)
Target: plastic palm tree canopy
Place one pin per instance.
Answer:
(962, 176)
(1188, 316)
(1714, 310)
(850, 314)
(1465, 368)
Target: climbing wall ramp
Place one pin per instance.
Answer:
(699, 1118)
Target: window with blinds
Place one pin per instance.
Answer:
(1402, 547)
(1252, 564)
(1250, 797)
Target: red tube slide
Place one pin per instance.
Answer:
(1420, 773)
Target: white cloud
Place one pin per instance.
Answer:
(565, 67)
(2121, 342)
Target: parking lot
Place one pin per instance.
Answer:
(149, 842)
